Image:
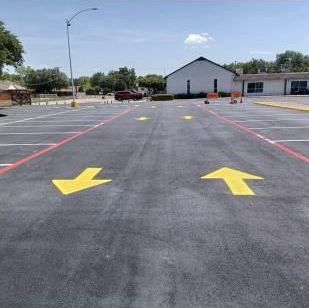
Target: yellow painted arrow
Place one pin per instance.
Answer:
(234, 179)
(187, 117)
(83, 181)
(142, 119)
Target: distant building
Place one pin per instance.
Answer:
(274, 83)
(12, 93)
(203, 75)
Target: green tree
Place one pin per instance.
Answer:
(46, 80)
(292, 60)
(11, 49)
(289, 60)
(153, 82)
(120, 85)
(95, 79)
(128, 76)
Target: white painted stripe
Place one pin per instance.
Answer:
(279, 127)
(5, 165)
(60, 121)
(43, 116)
(292, 140)
(23, 144)
(263, 115)
(255, 120)
(40, 133)
(56, 125)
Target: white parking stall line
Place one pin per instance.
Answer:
(263, 115)
(279, 127)
(40, 133)
(43, 116)
(268, 120)
(56, 125)
(292, 140)
(60, 121)
(5, 165)
(24, 144)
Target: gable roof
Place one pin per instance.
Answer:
(6, 85)
(201, 59)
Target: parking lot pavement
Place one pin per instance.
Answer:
(278, 126)
(158, 207)
(28, 129)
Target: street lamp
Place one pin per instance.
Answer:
(68, 24)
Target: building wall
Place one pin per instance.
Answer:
(5, 98)
(201, 75)
(271, 87)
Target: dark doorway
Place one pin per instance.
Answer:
(188, 87)
(215, 85)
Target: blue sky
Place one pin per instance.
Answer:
(155, 36)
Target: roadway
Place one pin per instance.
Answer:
(157, 235)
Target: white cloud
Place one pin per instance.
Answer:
(198, 39)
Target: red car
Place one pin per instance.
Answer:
(139, 94)
(126, 95)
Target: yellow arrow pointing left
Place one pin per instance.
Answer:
(83, 181)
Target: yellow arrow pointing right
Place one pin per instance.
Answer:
(234, 179)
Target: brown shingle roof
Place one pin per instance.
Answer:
(6, 85)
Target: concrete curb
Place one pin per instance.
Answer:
(297, 107)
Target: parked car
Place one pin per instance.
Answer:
(139, 94)
(126, 95)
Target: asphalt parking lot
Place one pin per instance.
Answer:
(162, 204)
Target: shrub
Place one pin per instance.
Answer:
(93, 91)
(224, 94)
(107, 90)
(162, 97)
(188, 96)
(90, 91)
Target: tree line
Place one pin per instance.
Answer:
(288, 61)
(51, 80)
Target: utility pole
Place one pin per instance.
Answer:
(68, 24)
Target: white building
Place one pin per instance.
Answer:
(203, 75)
(274, 83)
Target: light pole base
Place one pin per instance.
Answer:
(74, 104)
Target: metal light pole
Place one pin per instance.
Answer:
(68, 24)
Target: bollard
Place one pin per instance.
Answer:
(74, 104)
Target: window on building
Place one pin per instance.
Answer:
(215, 85)
(255, 87)
(298, 87)
(188, 87)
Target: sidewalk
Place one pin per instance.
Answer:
(293, 106)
